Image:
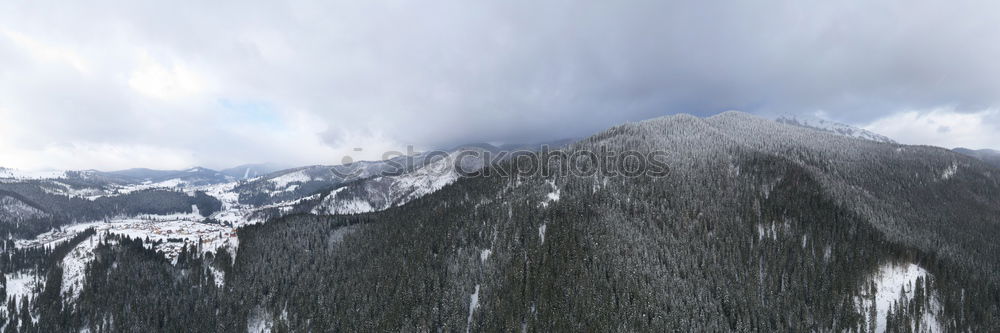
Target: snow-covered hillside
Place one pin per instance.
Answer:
(9, 173)
(250, 171)
(74, 266)
(13, 210)
(166, 233)
(834, 127)
(381, 193)
(894, 283)
(23, 283)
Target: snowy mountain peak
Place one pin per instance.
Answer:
(834, 127)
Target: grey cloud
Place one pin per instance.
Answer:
(440, 73)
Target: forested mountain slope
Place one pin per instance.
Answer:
(41, 209)
(757, 226)
(434, 171)
(382, 192)
(295, 183)
(927, 197)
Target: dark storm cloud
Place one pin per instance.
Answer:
(432, 73)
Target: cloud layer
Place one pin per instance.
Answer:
(112, 85)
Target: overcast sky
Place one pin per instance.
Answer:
(173, 84)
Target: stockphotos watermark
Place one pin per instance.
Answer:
(543, 162)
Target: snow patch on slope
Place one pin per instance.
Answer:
(74, 266)
(485, 255)
(895, 282)
(174, 183)
(949, 172)
(259, 321)
(89, 193)
(541, 232)
(218, 276)
(552, 196)
(236, 214)
(23, 283)
(473, 304)
(429, 179)
(354, 206)
(333, 204)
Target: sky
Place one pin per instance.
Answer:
(173, 84)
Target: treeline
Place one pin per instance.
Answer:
(762, 251)
(19, 313)
(755, 228)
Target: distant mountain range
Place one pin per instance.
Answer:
(989, 156)
(759, 225)
(248, 171)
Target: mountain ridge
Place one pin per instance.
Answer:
(757, 226)
(834, 127)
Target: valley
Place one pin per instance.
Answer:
(759, 226)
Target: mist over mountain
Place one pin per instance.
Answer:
(499, 166)
(986, 155)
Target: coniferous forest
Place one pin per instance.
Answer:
(756, 227)
(499, 166)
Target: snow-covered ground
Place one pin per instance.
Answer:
(167, 234)
(393, 190)
(74, 266)
(473, 305)
(333, 204)
(54, 237)
(552, 196)
(23, 283)
(218, 276)
(174, 235)
(175, 183)
(171, 231)
(31, 174)
(88, 193)
(283, 180)
(237, 214)
(894, 282)
(429, 178)
(259, 321)
(949, 172)
(541, 232)
(175, 230)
